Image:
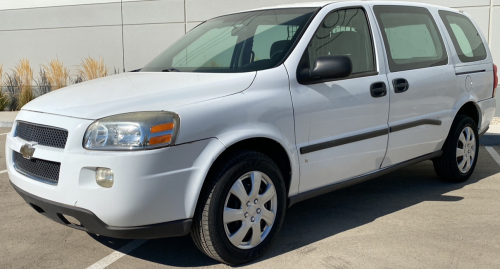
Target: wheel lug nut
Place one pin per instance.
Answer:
(255, 201)
(252, 219)
(258, 211)
(246, 215)
(248, 203)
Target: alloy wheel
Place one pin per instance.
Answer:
(466, 149)
(250, 210)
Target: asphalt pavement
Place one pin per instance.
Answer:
(406, 219)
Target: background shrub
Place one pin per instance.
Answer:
(4, 97)
(25, 74)
(12, 89)
(92, 69)
(4, 101)
(16, 89)
(43, 83)
(56, 74)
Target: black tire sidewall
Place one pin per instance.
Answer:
(451, 147)
(224, 247)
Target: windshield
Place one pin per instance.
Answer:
(241, 42)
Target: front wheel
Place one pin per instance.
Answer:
(460, 151)
(241, 209)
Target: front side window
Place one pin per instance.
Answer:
(412, 39)
(344, 32)
(240, 42)
(465, 37)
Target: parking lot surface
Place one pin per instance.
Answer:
(406, 219)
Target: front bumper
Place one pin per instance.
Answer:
(89, 222)
(151, 186)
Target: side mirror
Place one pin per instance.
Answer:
(327, 67)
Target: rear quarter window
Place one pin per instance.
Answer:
(465, 37)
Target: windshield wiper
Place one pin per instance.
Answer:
(171, 70)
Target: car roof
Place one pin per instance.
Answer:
(325, 3)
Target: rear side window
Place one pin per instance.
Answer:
(412, 39)
(465, 37)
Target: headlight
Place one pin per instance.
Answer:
(132, 131)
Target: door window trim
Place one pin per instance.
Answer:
(391, 64)
(301, 34)
(303, 62)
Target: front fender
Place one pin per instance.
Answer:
(264, 110)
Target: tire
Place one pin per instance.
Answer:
(449, 166)
(212, 228)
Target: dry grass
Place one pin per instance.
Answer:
(56, 74)
(25, 74)
(92, 69)
(4, 101)
(25, 96)
(12, 88)
(18, 86)
(43, 83)
(4, 97)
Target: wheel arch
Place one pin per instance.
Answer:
(270, 148)
(472, 110)
(468, 108)
(265, 145)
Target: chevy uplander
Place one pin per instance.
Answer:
(251, 112)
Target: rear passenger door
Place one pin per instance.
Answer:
(421, 79)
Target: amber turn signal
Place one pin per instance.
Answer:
(162, 127)
(160, 139)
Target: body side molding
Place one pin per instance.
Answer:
(412, 124)
(343, 141)
(358, 179)
(373, 134)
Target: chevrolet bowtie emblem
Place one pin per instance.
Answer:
(27, 150)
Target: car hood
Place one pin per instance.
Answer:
(130, 92)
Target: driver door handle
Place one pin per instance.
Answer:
(378, 89)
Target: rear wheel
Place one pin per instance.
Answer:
(241, 210)
(460, 151)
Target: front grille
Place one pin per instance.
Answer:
(37, 168)
(42, 134)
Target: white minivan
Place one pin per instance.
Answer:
(251, 112)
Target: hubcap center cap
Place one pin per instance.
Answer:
(252, 210)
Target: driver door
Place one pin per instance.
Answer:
(341, 125)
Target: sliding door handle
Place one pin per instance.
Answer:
(400, 85)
